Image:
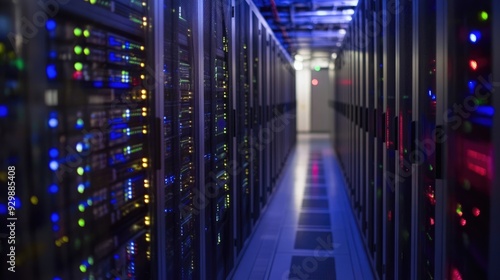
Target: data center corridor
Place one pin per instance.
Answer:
(308, 230)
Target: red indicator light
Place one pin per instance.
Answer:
(315, 82)
(77, 75)
(473, 64)
(455, 274)
(476, 211)
(463, 222)
(431, 221)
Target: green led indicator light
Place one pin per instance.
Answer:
(78, 66)
(430, 167)
(317, 68)
(78, 49)
(93, 2)
(19, 64)
(484, 15)
(86, 33)
(79, 122)
(81, 189)
(80, 171)
(89, 202)
(81, 222)
(86, 51)
(81, 208)
(83, 268)
(77, 31)
(91, 260)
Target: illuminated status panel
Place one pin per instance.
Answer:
(472, 149)
(98, 124)
(219, 246)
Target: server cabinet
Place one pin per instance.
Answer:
(404, 138)
(432, 150)
(424, 158)
(469, 145)
(87, 213)
(15, 133)
(181, 183)
(256, 117)
(218, 144)
(264, 136)
(243, 125)
(380, 136)
(370, 126)
(390, 147)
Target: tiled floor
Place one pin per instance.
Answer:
(308, 230)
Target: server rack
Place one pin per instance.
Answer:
(182, 210)
(469, 148)
(424, 117)
(218, 131)
(243, 126)
(422, 70)
(86, 114)
(256, 117)
(128, 135)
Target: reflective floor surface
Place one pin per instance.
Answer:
(308, 230)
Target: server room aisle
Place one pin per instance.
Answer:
(308, 230)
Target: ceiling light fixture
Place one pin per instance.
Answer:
(348, 12)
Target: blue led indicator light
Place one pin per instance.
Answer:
(50, 25)
(53, 153)
(54, 165)
(474, 36)
(54, 217)
(3, 209)
(55, 228)
(3, 111)
(53, 122)
(51, 71)
(53, 188)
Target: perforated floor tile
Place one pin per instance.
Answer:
(313, 203)
(315, 220)
(313, 240)
(312, 268)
